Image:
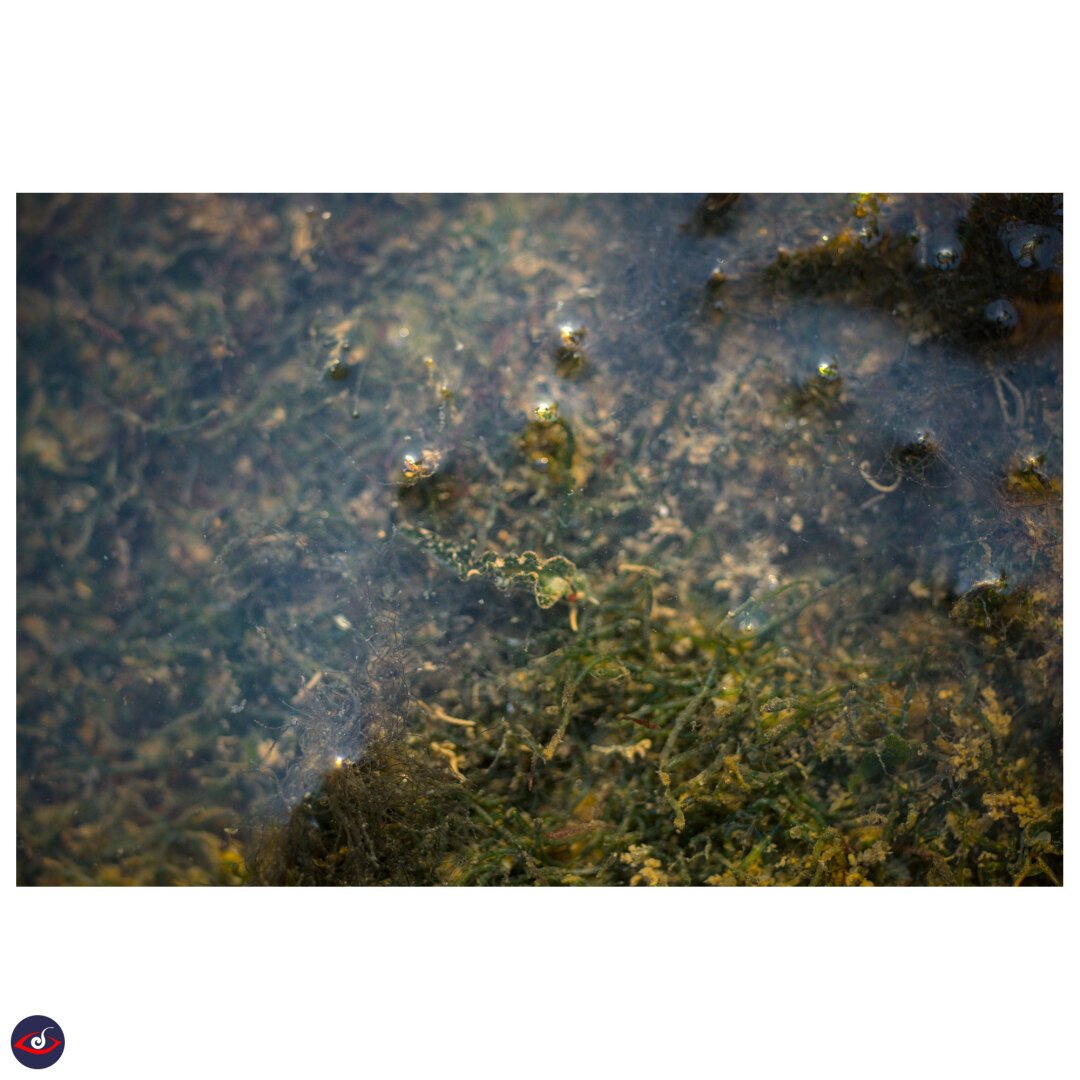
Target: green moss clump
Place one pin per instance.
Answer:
(993, 607)
(389, 818)
(953, 272)
(548, 448)
(727, 759)
(1027, 481)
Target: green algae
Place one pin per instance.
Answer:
(550, 580)
(813, 581)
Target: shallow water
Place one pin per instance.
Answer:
(804, 454)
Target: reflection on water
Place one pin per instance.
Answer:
(646, 540)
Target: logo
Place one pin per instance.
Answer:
(37, 1042)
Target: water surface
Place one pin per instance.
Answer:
(790, 467)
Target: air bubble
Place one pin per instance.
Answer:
(570, 357)
(868, 234)
(940, 251)
(947, 256)
(827, 369)
(750, 618)
(714, 289)
(1032, 246)
(1001, 315)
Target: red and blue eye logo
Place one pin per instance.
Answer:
(37, 1042)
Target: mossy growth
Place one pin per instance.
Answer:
(993, 607)
(389, 818)
(1027, 481)
(675, 754)
(547, 445)
(965, 276)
